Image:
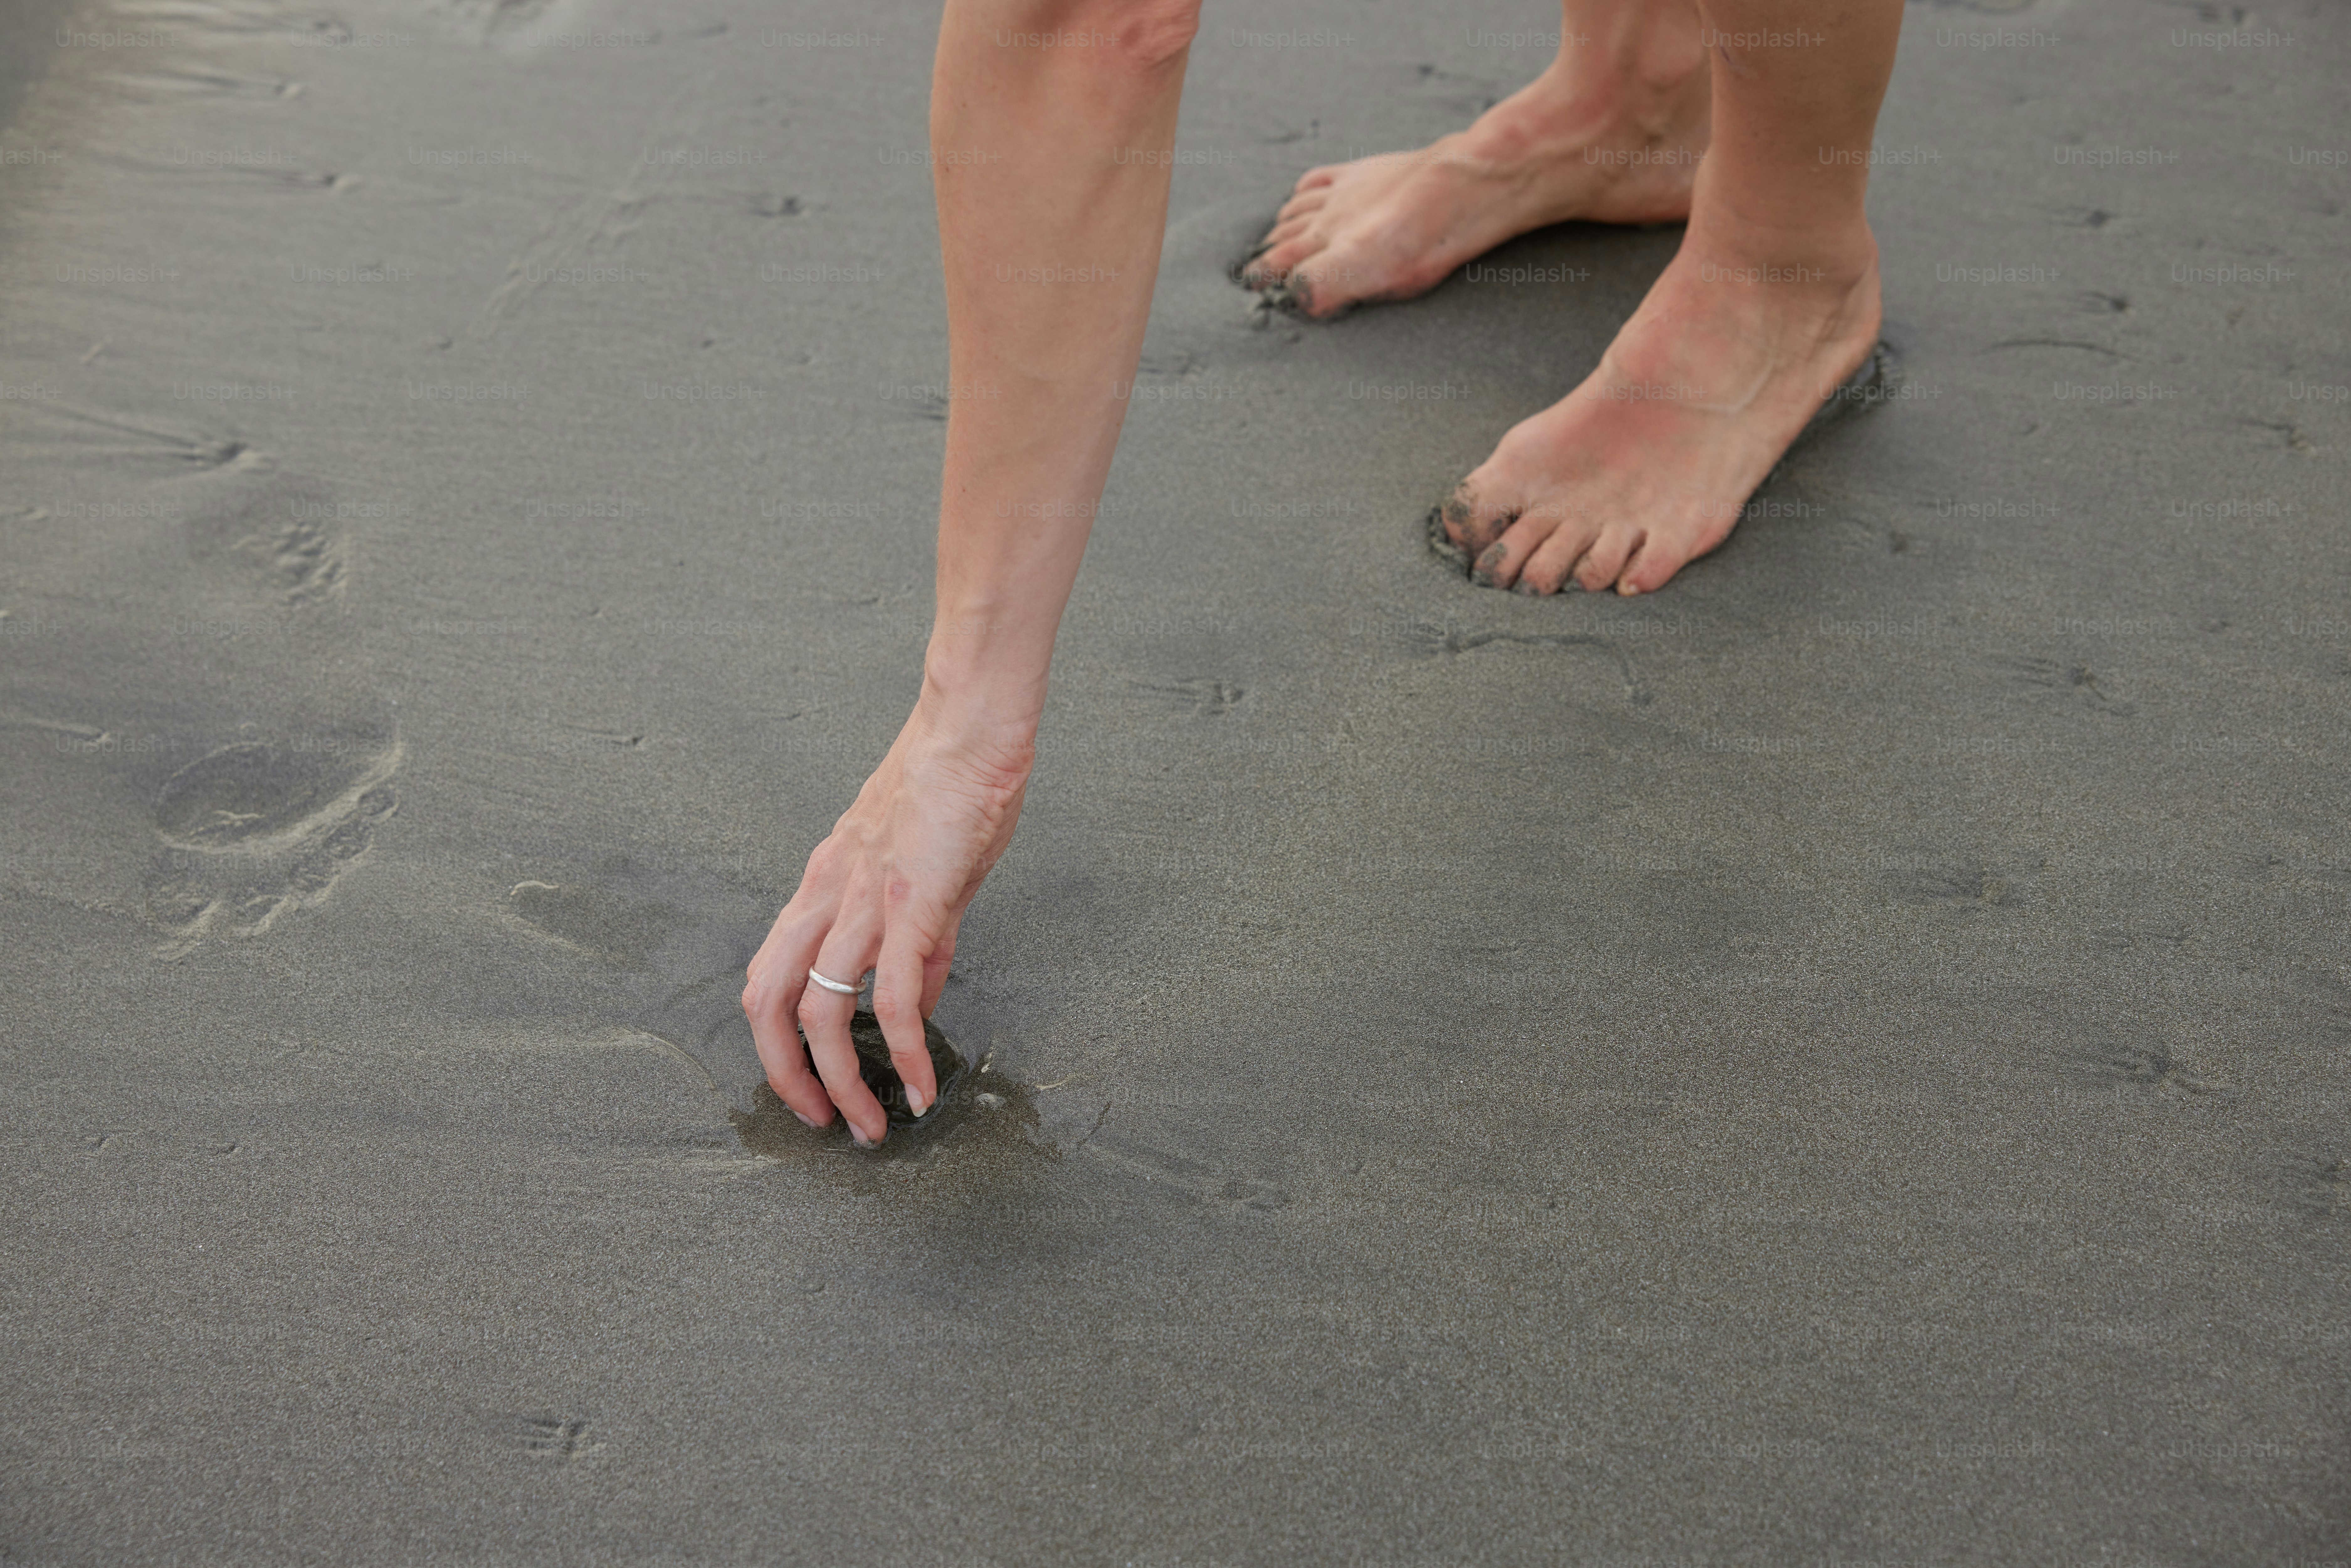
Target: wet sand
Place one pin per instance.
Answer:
(1844, 1059)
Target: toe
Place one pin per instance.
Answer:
(1279, 262)
(1664, 553)
(1355, 267)
(1316, 179)
(1304, 202)
(1473, 522)
(1652, 567)
(1288, 229)
(1320, 288)
(1552, 565)
(1605, 561)
(1326, 282)
(1456, 511)
(1503, 563)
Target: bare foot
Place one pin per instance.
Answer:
(1609, 149)
(1646, 465)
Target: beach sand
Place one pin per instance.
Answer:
(1844, 1059)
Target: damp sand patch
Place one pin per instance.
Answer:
(977, 1107)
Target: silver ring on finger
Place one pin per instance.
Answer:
(835, 987)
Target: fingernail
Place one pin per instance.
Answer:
(810, 1122)
(915, 1100)
(863, 1141)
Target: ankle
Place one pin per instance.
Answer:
(1835, 255)
(1561, 115)
(1649, 69)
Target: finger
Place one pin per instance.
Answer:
(788, 1075)
(937, 966)
(775, 980)
(898, 986)
(941, 961)
(824, 1023)
(783, 958)
(824, 1019)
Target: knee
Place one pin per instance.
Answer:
(1137, 34)
(1153, 34)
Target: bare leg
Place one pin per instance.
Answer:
(1770, 303)
(1612, 131)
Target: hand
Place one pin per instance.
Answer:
(886, 891)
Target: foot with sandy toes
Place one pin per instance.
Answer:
(1610, 134)
(1647, 464)
(1770, 305)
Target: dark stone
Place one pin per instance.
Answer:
(874, 1065)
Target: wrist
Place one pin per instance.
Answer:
(990, 711)
(988, 666)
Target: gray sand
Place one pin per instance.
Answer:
(1845, 1060)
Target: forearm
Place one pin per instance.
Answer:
(1049, 225)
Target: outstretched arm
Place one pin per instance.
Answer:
(1049, 224)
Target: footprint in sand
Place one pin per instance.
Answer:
(254, 832)
(600, 922)
(276, 533)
